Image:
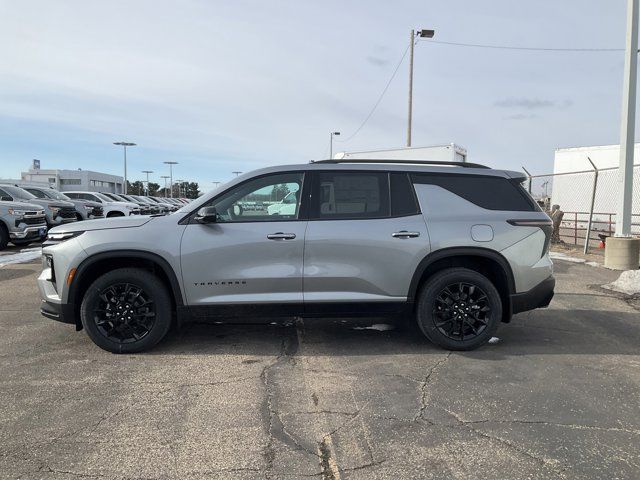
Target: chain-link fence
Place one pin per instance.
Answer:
(588, 200)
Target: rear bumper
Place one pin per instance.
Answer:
(538, 297)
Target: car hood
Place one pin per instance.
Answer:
(52, 202)
(102, 224)
(22, 205)
(125, 204)
(91, 203)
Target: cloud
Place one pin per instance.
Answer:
(532, 103)
(521, 116)
(380, 62)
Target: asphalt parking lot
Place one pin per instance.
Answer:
(557, 397)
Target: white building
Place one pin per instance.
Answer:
(67, 180)
(443, 153)
(573, 191)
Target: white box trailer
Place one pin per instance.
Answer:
(442, 153)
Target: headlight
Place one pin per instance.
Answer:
(129, 207)
(17, 212)
(61, 237)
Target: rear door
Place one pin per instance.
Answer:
(364, 240)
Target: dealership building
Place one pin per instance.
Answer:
(69, 180)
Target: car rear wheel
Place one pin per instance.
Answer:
(126, 310)
(459, 309)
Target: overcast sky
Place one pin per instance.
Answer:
(235, 85)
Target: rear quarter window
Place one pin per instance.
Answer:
(492, 193)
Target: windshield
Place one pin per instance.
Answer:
(55, 194)
(102, 197)
(18, 192)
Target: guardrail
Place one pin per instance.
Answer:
(575, 225)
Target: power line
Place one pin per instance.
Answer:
(530, 49)
(386, 87)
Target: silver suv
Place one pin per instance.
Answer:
(458, 247)
(20, 223)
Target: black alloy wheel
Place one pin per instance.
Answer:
(462, 311)
(125, 313)
(127, 310)
(458, 309)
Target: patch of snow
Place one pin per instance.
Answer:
(628, 282)
(494, 340)
(25, 255)
(381, 327)
(566, 258)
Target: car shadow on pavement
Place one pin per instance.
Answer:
(542, 332)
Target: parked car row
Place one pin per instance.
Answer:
(28, 212)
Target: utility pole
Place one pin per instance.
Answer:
(412, 42)
(171, 164)
(331, 135)
(147, 172)
(125, 145)
(165, 184)
(627, 127)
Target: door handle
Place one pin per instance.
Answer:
(281, 236)
(405, 234)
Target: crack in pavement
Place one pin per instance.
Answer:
(551, 464)
(425, 383)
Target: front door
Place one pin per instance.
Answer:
(252, 255)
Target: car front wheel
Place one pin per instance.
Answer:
(126, 310)
(459, 309)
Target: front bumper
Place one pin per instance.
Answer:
(29, 232)
(60, 312)
(538, 297)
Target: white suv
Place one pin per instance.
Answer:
(110, 206)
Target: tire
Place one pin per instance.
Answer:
(115, 311)
(4, 236)
(459, 309)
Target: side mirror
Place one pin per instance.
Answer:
(206, 215)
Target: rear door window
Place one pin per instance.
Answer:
(350, 195)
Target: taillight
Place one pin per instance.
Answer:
(545, 225)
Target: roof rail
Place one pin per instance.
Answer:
(411, 162)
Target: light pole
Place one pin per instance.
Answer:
(147, 172)
(165, 184)
(331, 135)
(414, 34)
(215, 185)
(171, 164)
(179, 182)
(237, 173)
(125, 145)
